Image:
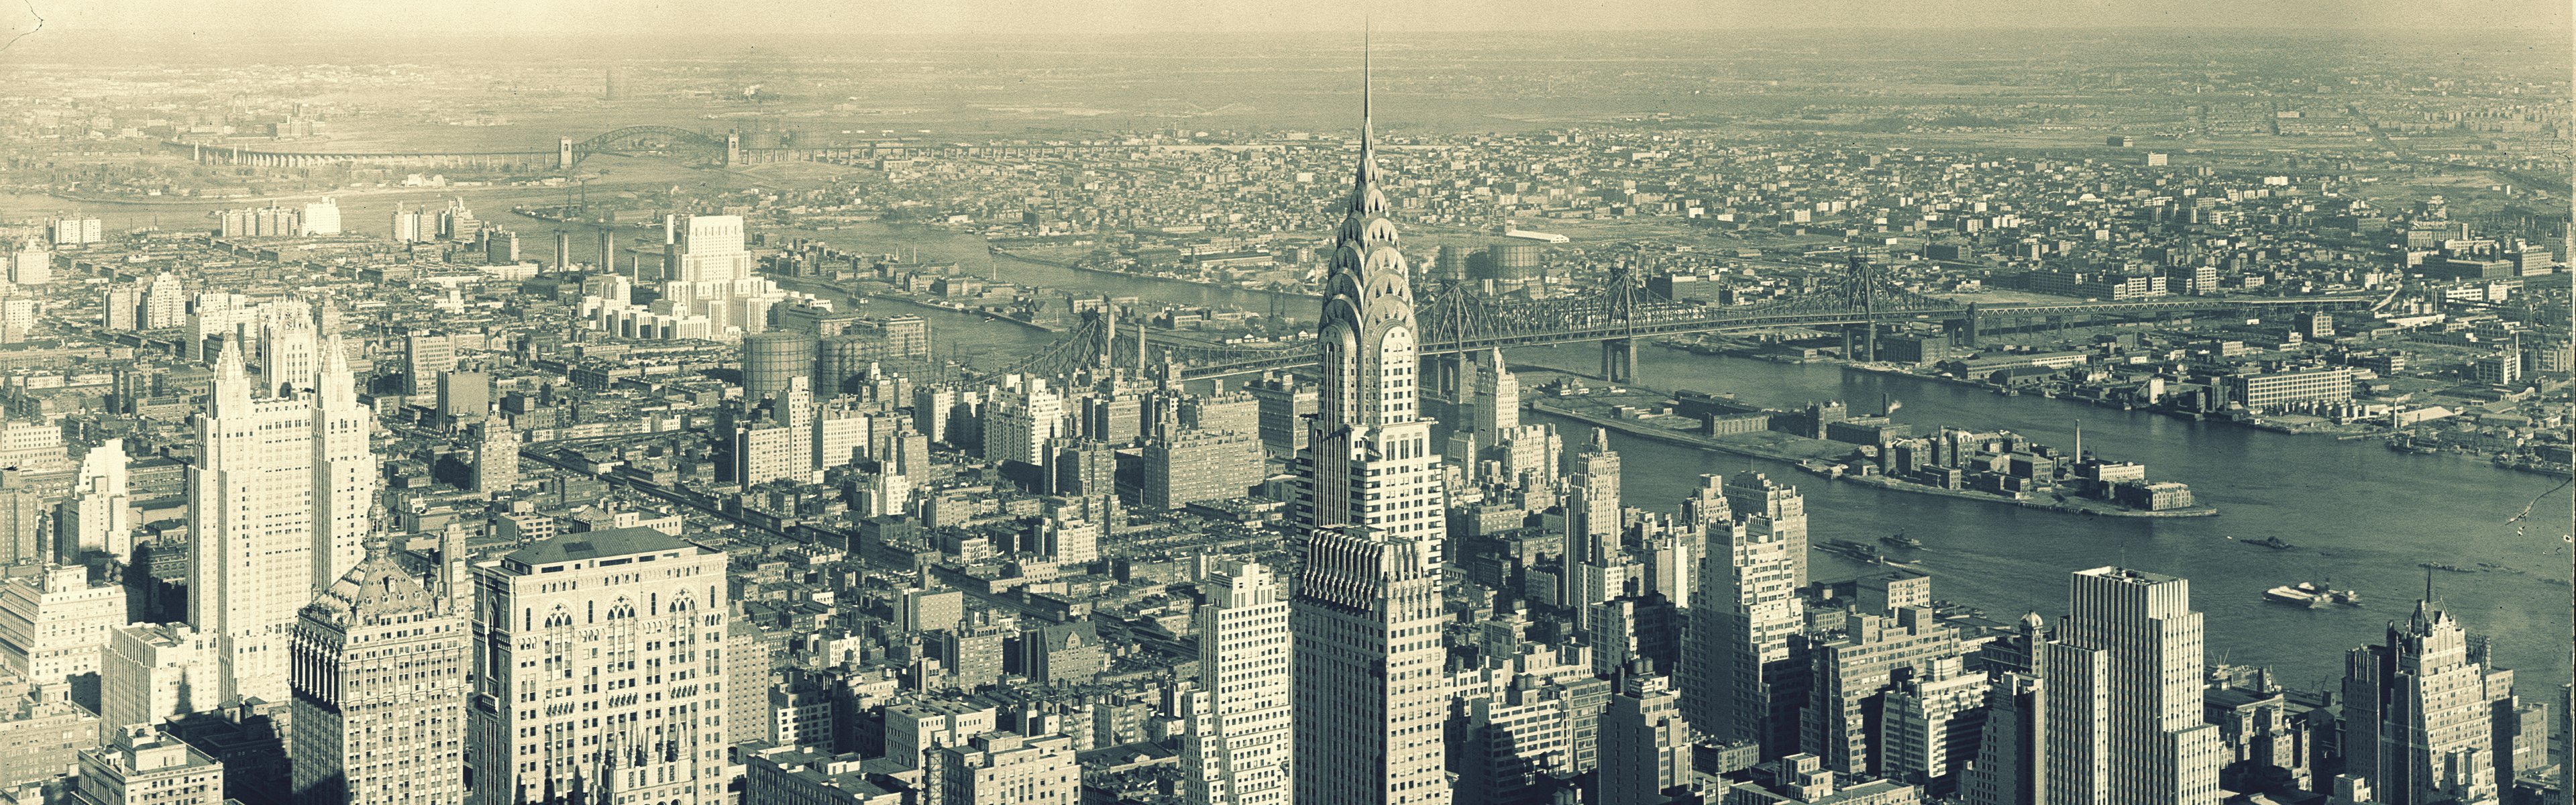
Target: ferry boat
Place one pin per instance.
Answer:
(1899, 539)
(1857, 550)
(2312, 595)
(2273, 542)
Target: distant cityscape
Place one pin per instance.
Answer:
(628, 431)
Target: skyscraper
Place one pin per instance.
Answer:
(2124, 721)
(1595, 567)
(642, 723)
(1853, 672)
(2420, 712)
(1021, 417)
(1235, 749)
(1645, 743)
(1742, 685)
(1775, 507)
(165, 303)
(99, 516)
(1370, 697)
(2011, 767)
(379, 678)
(279, 503)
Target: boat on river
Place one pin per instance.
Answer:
(2312, 595)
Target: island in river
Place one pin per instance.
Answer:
(1825, 438)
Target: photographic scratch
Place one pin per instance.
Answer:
(40, 25)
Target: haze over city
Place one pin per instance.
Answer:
(1320, 401)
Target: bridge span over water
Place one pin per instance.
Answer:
(1458, 319)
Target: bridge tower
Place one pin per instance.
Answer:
(563, 154)
(733, 148)
(1619, 355)
(1863, 292)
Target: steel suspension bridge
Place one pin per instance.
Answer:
(1458, 318)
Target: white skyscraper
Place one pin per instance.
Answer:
(165, 302)
(1236, 748)
(279, 503)
(1595, 566)
(33, 264)
(1738, 680)
(288, 346)
(1370, 695)
(1021, 418)
(2124, 675)
(2420, 713)
(602, 654)
(99, 516)
(322, 217)
(1645, 743)
(54, 627)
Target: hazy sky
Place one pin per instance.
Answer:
(861, 22)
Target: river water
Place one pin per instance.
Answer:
(2361, 516)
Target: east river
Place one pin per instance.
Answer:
(2361, 517)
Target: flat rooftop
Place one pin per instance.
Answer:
(603, 544)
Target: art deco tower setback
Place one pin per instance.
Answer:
(1370, 697)
(279, 504)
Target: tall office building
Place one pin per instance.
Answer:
(2124, 682)
(2011, 766)
(1741, 684)
(1234, 750)
(1854, 671)
(1284, 404)
(379, 678)
(2421, 714)
(708, 274)
(98, 516)
(118, 310)
(322, 217)
(1645, 742)
(599, 671)
(771, 439)
(1003, 768)
(165, 303)
(1775, 507)
(496, 457)
(1594, 565)
(1370, 697)
(33, 264)
(1020, 418)
(286, 346)
(279, 503)
(1197, 465)
(425, 357)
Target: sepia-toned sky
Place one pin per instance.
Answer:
(860, 22)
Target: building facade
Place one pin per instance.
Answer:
(378, 669)
(599, 671)
(279, 506)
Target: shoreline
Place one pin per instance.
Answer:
(1154, 277)
(863, 296)
(2074, 506)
